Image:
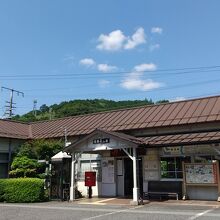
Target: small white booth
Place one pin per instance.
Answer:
(112, 169)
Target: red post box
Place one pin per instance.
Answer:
(90, 178)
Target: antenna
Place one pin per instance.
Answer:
(35, 107)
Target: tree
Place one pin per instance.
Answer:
(22, 166)
(44, 108)
(25, 163)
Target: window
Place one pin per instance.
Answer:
(3, 157)
(3, 170)
(86, 165)
(171, 167)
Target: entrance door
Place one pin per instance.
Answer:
(128, 176)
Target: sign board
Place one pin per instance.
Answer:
(120, 167)
(189, 150)
(171, 151)
(101, 141)
(108, 171)
(200, 173)
(151, 170)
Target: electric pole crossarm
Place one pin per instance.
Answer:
(9, 110)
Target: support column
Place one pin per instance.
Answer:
(135, 187)
(72, 187)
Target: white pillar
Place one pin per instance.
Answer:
(135, 188)
(72, 186)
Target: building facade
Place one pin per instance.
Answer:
(137, 150)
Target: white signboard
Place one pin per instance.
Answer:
(108, 171)
(119, 167)
(201, 173)
(151, 170)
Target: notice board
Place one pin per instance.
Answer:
(108, 173)
(200, 173)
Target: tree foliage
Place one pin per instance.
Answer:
(25, 163)
(79, 107)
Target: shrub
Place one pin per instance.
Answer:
(2, 189)
(22, 190)
(23, 166)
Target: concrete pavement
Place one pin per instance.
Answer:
(168, 210)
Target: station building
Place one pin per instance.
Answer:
(170, 149)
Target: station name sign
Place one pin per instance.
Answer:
(101, 141)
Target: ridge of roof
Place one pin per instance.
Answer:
(15, 121)
(124, 109)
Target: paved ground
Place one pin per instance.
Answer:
(107, 209)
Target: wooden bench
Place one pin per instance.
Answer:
(163, 189)
(161, 195)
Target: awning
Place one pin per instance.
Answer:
(182, 139)
(59, 156)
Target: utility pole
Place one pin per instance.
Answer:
(50, 113)
(10, 104)
(65, 137)
(9, 111)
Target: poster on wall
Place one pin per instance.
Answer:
(201, 173)
(119, 167)
(151, 175)
(151, 170)
(108, 171)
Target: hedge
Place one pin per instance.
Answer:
(22, 190)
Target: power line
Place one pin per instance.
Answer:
(170, 71)
(178, 86)
(108, 76)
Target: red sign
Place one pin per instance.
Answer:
(90, 178)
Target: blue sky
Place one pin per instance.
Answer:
(57, 51)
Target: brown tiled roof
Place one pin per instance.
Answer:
(182, 139)
(175, 113)
(13, 129)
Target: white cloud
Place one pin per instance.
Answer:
(111, 42)
(137, 38)
(87, 62)
(139, 84)
(145, 67)
(156, 30)
(106, 68)
(178, 99)
(134, 81)
(154, 47)
(116, 40)
(103, 83)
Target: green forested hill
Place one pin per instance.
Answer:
(79, 107)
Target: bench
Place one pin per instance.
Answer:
(163, 189)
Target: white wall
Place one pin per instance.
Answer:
(96, 190)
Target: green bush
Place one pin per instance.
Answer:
(2, 189)
(22, 190)
(23, 166)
